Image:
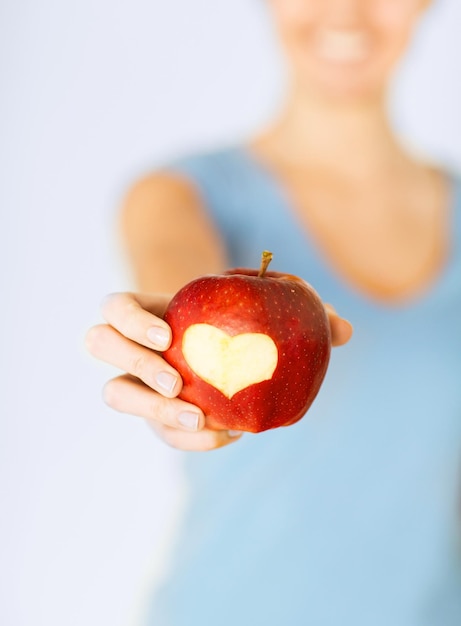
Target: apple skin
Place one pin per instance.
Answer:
(285, 308)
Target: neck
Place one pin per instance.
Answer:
(353, 137)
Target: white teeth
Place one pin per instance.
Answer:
(342, 46)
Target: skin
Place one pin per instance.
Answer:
(378, 214)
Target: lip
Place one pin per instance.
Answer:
(342, 46)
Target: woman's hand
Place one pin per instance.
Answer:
(132, 340)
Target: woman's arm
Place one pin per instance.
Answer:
(168, 241)
(167, 235)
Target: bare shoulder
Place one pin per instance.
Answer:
(159, 195)
(166, 185)
(167, 233)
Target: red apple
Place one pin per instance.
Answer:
(252, 347)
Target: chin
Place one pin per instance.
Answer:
(349, 92)
(344, 82)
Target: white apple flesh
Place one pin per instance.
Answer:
(229, 363)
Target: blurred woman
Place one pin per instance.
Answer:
(350, 516)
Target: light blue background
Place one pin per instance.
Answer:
(93, 92)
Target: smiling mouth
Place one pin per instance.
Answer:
(342, 46)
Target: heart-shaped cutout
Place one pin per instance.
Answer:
(229, 364)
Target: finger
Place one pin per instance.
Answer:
(139, 317)
(341, 329)
(201, 441)
(129, 395)
(108, 345)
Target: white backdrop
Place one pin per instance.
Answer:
(92, 93)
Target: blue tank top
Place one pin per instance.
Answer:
(351, 517)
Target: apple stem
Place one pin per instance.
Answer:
(266, 258)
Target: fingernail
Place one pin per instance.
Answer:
(166, 381)
(234, 433)
(159, 336)
(189, 420)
